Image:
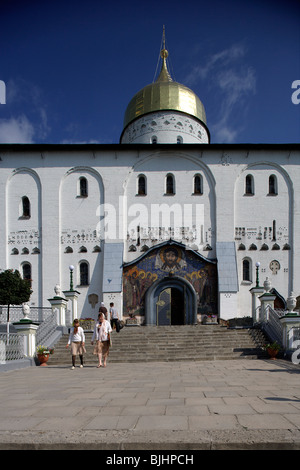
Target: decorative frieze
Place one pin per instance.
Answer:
(24, 237)
(78, 237)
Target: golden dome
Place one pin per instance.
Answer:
(164, 94)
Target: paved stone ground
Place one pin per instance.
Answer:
(230, 404)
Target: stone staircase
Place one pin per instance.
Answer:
(171, 343)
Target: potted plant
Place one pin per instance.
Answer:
(272, 349)
(43, 354)
(210, 318)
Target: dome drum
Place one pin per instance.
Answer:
(164, 127)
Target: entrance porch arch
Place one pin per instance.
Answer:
(158, 302)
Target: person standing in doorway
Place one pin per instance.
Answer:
(114, 317)
(77, 340)
(101, 333)
(103, 309)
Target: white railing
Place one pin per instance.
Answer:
(46, 329)
(11, 347)
(269, 320)
(36, 314)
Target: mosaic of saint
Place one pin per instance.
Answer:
(159, 264)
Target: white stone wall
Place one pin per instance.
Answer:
(59, 218)
(190, 216)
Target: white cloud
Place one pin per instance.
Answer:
(232, 81)
(16, 130)
(74, 141)
(218, 60)
(28, 121)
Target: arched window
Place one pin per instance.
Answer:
(83, 187)
(142, 185)
(249, 185)
(170, 184)
(154, 139)
(198, 186)
(246, 270)
(25, 209)
(26, 272)
(179, 139)
(84, 273)
(273, 191)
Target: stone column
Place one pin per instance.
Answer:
(255, 293)
(72, 295)
(59, 303)
(27, 328)
(266, 299)
(289, 321)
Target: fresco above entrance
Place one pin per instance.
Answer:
(167, 260)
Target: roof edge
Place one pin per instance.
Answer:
(119, 146)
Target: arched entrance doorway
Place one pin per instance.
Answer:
(171, 301)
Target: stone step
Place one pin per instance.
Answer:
(172, 343)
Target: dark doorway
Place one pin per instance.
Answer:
(171, 301)
(170, 307)
(177, 307)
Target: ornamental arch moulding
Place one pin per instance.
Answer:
(68, 189)
(261, 220)
(79, 217)
(261, 173)
(155, 167)
(23, 191)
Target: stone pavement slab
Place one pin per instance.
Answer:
(230, 404)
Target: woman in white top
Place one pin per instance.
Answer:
(77, 340)
(101, 333)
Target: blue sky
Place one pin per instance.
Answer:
(71, 67)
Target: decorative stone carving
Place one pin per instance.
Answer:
(291, 302)
(267, 285)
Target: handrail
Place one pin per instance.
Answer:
(46, 329)
(271, 324)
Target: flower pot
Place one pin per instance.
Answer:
(43, 358)
(272, 353)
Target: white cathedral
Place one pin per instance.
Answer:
(166, 225)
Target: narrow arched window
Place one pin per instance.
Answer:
(179, 139)
(273, 185)
(84, 273)
(83, 187)
(170, 184)
(142, 185)
(25, 207)
(154, 139)
(198, 187)
(246, 270)
(26, 272)
(249, 185)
